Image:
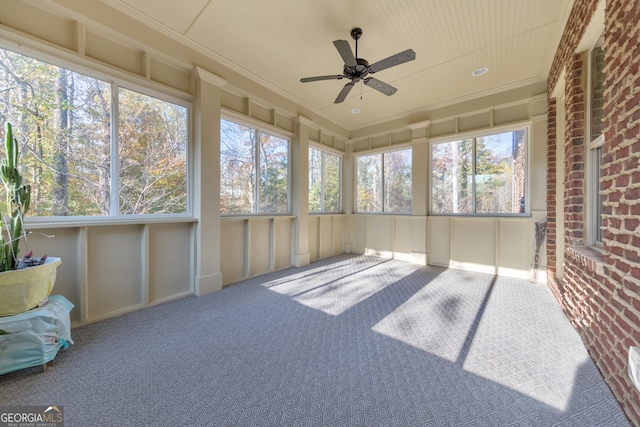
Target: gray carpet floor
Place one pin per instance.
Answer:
(346, 341)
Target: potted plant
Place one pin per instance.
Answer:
(24, 283)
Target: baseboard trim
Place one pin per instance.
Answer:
(208, 284)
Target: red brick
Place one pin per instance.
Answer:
(631, 224)
(622, 180)
(630, 256)
(587, 296)
(633, 319)
(632, 194)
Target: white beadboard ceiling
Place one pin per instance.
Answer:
(278, 42)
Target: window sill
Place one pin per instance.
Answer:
(248, 217)
(587, 257)
(77, 222)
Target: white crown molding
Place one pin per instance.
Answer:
(305, 121)
(460, 100)
(209, 77)
(419, 125)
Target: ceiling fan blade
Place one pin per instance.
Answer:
(393, 60)
(343, 93)
(345, 52)
(318, 78)
(381, 86)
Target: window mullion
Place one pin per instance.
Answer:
(256, 177)
(340, 184)
(322, 181)
(473, 176)
(384, 190)
(115, 155)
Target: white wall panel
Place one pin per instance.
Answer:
(169, 261)
(338, 234)
(282, 235)
(60, 243)
(326, 235)
(403, 246)
(232, 255)
(359, 237)
(419, 240)
(380, 235)
(114, 273)
(314, 223)
(473, 244)
(439, 239)
(514, 247)
(259, 246)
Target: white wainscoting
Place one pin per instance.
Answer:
(392, 236)
(251, 246)
(496, 245)
(111, 269)
(326, 235)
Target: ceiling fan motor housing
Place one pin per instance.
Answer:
(359, 71)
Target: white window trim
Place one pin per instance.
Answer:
(271, 130)
(117, 79)
(340, 156)
(381, 152)
(591, 162)
(525, 126)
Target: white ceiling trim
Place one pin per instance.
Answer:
(128, 10)
(425, 110)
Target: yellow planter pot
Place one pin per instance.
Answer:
(22, 290)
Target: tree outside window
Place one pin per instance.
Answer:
(482, 175)
(254, 170)
(384, 182)
(324, 181)
(152, 148)
(63, 122)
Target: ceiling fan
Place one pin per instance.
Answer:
(356, 69)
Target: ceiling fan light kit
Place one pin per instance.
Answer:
(357, 69)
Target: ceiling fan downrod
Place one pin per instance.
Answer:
(356, 33)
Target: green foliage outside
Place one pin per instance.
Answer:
(64, 122)
(254, 171)
(324, 181)
(384, 182)
(495, 177)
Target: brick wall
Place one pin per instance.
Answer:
(600, 292)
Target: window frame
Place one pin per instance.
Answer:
(382, 183)
(117, 79)
(593, 172)
(325, 150)
(524, 126)
(262, 128)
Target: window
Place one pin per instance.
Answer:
(324, 181)
(152, 154)
(596, 141)
(254, 171)
(63, 121)
(384, 182)
(480, 175)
